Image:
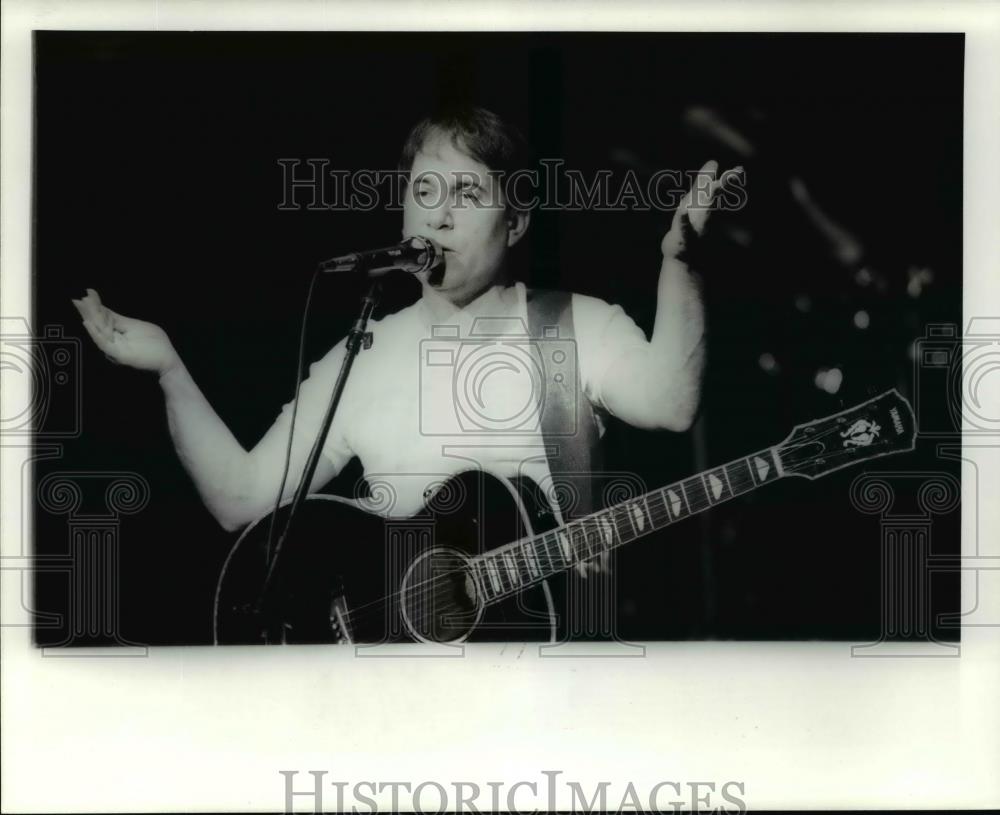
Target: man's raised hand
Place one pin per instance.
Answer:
(124, 340)
(692, 215)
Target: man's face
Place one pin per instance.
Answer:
(456, 202)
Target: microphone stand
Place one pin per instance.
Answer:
(358, 338)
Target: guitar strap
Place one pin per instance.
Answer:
(568, 425)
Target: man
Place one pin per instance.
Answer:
(455, 198)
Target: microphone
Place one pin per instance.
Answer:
(412, 255)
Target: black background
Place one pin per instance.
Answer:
(157, 183)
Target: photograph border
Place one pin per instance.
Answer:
(799, 725)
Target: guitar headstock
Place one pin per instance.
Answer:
(878, 427)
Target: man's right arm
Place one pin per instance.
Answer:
(237, 486)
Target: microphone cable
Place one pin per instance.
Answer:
(272, 558)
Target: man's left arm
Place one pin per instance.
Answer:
(657, 385)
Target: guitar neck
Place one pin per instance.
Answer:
(508, 569)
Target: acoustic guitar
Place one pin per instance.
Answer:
(475, 562)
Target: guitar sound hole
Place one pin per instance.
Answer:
(438, 597)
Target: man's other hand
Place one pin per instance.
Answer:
(693, 213)
(124, 340)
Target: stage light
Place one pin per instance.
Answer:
(829, 379)
(861, 319)
(918, 278)
(768, 363)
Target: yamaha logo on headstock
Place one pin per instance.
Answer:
(897, 422)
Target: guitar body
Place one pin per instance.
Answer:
(348, 574)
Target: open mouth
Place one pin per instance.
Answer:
(436, 275)
(443, 252)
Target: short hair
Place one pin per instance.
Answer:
(476, 131)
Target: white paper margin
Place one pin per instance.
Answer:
(802, 725)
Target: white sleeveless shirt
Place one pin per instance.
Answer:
(428, 400)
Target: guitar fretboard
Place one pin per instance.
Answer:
(508, 569)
